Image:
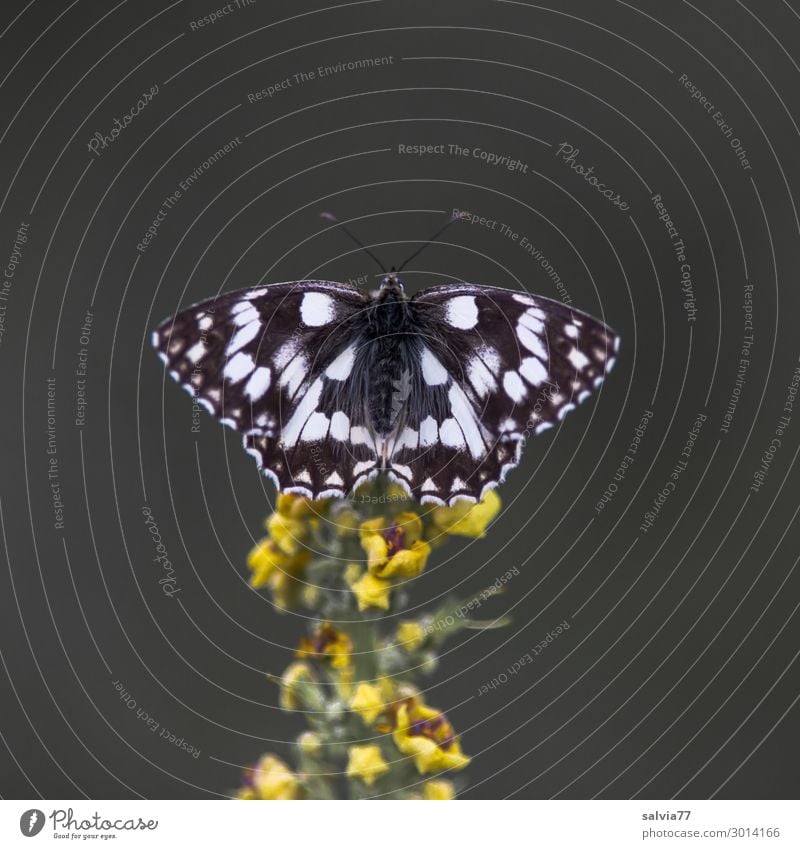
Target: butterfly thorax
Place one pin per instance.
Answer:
(391, 331)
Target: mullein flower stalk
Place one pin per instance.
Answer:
(350, 562)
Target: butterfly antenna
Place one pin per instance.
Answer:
(433, 238)
(328, 216)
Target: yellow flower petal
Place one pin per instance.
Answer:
(438, 790)
(410, 525)
(263, 560)
(467, 519)
(287, 533)
(272, 779)
(366, 763)
(406, 563)
(410, 635)
(430, 749)
(371, 592)
(377, 550)
(367, 702)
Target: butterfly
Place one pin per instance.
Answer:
(331, 386)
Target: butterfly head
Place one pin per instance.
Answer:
(392, 285)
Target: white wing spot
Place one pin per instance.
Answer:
(579, 360)
(480, 377)
(243, 336)
(334, 479)
(408, 438)
(465, 416)
(405, 471)
(532, 342)
(341, 367)
(286, 353)
(237, 368)
(316, 428)
(359, 435)
(462, 312)
(240, 317)
(196, 352)
(294, 374)
(450, 434)
(533, 370)
(259, 383)
(571, 330)
(515, 388)
(491, 357)
(428, 486)
(317, 309)
(340, 426)
(291, 432)
(205, 322)
(428, 432)
(532, 323)
(564, 410)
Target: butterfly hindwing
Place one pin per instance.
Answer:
(273, 362)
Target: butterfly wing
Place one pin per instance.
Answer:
(276, 363)
(496, 367)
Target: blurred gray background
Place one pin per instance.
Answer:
(678, 673)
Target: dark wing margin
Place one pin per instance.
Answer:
(497, 367)
(272, 362)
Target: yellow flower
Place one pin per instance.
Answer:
(367, 702)
(406, 563)
(270, 779)
(327, 642)
(371, 592)
(294, 674)
(395, 549)
(465, 518)
(438, 790)
(263, 560)
(366, 763)
(270, 566)
(410, 635)
(309, 743)
(287, 533)
(298, 506)
(426, 736)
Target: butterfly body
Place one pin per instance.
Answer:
(330, 386)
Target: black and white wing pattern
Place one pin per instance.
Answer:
(273, 362)
(497, 367)
(330, 386)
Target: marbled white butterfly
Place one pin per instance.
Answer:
(331, 386)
